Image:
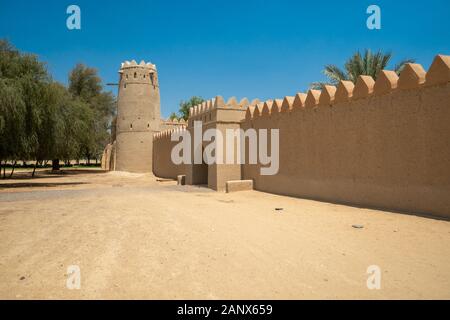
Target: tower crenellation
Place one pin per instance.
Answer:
(132, 72)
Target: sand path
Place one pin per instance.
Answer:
(135, 237)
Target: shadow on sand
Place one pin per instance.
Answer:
(48, 173)
(38, 184)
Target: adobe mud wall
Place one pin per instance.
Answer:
(108, 161)
(219, 115)
(163, 166)
(383, 144)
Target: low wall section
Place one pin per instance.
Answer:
(163, 166)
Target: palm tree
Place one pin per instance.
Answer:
(368, 64)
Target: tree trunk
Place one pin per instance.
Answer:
(12, 171)
(34, 169)
(55, 165)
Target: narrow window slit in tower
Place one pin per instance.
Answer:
(131, 126)
(135, 75)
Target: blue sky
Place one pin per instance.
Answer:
(255, 49)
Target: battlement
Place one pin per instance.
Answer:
(132, 73)
(134, 64)
(174, 122)
(217, 110)
(412, 77)
(168, 133)
(219, 103)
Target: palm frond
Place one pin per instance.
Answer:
(384, 62)
(319, 85)
(368, 63)
(334, 73)
(376, 64)
(355, 66)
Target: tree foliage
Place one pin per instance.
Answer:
(86, 85)
(369, 64)
(41, 119)
(185, 106)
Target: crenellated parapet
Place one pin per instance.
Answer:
(412, 77)
(166, 134)
(175, 121)
(172, 124)
(134, 64)
(219, 110)
(140, 73)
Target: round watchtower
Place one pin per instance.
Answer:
(138, 116)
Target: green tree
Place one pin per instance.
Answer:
(186, 105)
(84, 82)
(86, 85)
(41, 119)
(369, 64)
(173, 116)
(23, 79)
(12, 122)
(73, 119)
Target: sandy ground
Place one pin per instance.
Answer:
(135, 237)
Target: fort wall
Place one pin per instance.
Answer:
(383, 144)
(163, 166)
